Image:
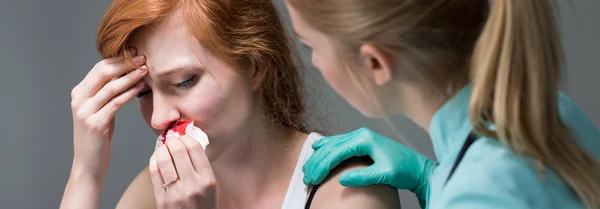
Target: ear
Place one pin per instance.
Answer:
(379, 63)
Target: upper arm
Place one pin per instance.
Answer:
(140, 193)
(333, 195)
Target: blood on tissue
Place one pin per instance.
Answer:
(177, 127)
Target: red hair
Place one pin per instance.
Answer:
(247, 34)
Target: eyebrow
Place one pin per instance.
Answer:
(185, 67)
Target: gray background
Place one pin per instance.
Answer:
(46, 47)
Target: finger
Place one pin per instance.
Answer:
(165, 165)
(115, 88)
(83, 90)
(319, 155)
(157, 179)
(333, 157)
(325, 140)
(105, 70)
(112, 107)
(197, 154)
(81, 86)
(180, 156)
(363, 177)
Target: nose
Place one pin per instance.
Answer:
(164, 113)
(314, 59)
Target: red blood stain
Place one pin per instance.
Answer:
(178, 127)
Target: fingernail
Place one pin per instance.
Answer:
(142, 69)
(317, 144)
(139, 59)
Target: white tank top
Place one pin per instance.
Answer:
(297, 192)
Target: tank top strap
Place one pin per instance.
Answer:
(297, 192)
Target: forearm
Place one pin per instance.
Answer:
(82, 191)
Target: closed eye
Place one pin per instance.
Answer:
(187, 82)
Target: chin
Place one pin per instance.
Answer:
(373, 114)
(368, 111)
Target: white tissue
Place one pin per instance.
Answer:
(190, 130)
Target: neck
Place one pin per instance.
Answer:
(417, 106)
(421, 115)
(257, 162)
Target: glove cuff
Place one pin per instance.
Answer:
(421, 191)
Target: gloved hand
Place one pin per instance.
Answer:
(395, 164)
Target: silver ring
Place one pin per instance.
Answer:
(165, 185)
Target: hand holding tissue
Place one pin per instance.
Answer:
(184, 127)
(180, 170)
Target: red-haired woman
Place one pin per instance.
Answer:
(227, 65)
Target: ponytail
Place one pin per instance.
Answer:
(515, 72)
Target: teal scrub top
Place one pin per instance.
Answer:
(490, 176)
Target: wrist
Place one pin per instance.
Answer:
(83, 190)
(83, 174)
(78, 178)
(428, 167)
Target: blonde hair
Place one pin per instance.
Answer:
(511, 52)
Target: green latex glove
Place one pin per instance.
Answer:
(394, 164)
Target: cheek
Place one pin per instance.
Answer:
(333, 72)
(218, 107)
(338, 78)
(201, 103)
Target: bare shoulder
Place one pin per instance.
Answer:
(333, 195)
(139, 194)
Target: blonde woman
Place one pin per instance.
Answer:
(481, 79)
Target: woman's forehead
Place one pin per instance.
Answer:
(167, 45)
(168, 35)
